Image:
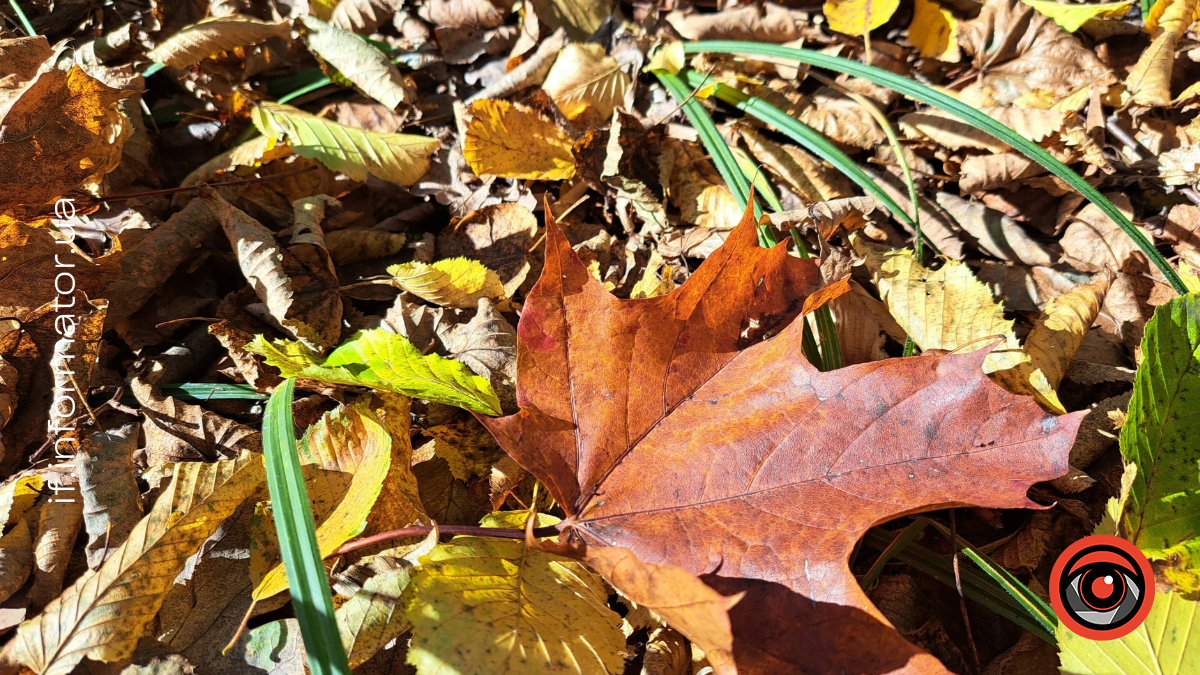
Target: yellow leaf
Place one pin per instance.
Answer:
(1149, 83)
(668, 57)
(372, 617)
(104, 614)
(254, 152)
(454, 282)
(855, 17)
(16, 559)
(345, 458)
(515, 141)
(656, 280)
(210, 37)
(17, 496)
(580, 18)
(399, 158)
(484, 605)
(934, 31)
(952, 310)
(1072, 17)
(586, 83)
(1055, 337)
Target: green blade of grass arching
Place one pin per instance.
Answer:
(297, 538)
(976, 586)
(16, 7)
(1035, 606)
(906, 536)
(966, 113)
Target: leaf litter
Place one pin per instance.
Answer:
(517, 290)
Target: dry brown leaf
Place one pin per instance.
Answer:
(1183, 231)
(1093, 242)
(515, 141)
(58, 525)
(182, 432)
(112, 503)
(767, 22)
(22, 58)
(64, 132)
(470, 13)
(996, 233)
(505, 476)
(1019, 50)
(208, 38)
(944, 129)
(304, 300)
(806, 175)
(990, 172)
(841, 118)
(863, 325)
(499, 236)
(363, 16)
(355, 245)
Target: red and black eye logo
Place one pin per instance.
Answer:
(1102, 587)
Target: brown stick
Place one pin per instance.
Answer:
(229, 183)
(423, 530)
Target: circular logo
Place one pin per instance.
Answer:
(1102, 587)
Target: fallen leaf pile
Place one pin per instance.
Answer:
(545, 361)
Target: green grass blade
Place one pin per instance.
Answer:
(297, 539)
(199, 392)
(966, 113)
(1037, 608)
(16, 7)
(976, 586)
(906, 536)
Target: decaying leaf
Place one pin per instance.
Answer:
(651, 444)
(362, 16)
(454, 282)
(1149, 83)
(182, 432)
(16, 559)
(386, 361)
(996, 233)
(499, 236)
(515, 141)
(58, 526)
(112, 504)
(767, 22)
(210, 37)
(399, 158)
(347, 247)
(134, 579)
(373, 617)
(303, 299)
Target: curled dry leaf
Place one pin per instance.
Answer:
(455, 282)
(1093, 242)
(112, 503)
(58, 527)
(303, 299)
(515, 141)
(635, 459)
(210, 37)
(1149, 83)
(944, 129)
(133, 581)
(363, 16)
(399, 158)
(841, 118)
(359, 62)
(995, 232)
(803, 173)
(580, 18)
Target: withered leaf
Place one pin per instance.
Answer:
(112, 503)
(645, 436)
(177, 431)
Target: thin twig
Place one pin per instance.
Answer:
(174, 190)
(424, 530)
(962, 599)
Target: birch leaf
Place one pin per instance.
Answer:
(210, 37)
(399, 158)
(132, 583)
(455, 282)
(385, 361)
(358, 61)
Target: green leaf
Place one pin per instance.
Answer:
(1161, 437)
(1168, 643)
(399, 158)
(979, 120)
(483, 605)
(381, 360)
(297, 537)
(357, 61)
(1072, 17)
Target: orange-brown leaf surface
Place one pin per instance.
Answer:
(668, 426)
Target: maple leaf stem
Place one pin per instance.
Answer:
(423, 530)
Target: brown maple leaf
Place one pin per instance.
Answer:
(670, 427)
